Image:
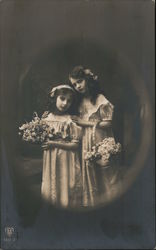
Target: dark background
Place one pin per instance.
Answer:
(41, 41)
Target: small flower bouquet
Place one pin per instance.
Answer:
(36, 131)
(39, 131)
(103, 152)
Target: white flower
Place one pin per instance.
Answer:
(24, 126)
(103, 149)
(88, 72)
(95, 77)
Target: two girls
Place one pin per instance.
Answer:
(64, 178)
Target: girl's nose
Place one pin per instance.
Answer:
(65, 102)
(78, 86)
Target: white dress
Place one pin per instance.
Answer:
(61, 178)
(101, 110)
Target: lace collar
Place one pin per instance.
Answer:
(59, 118)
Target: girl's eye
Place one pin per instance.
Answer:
(62, 98)
(79, 81)
(74, 85)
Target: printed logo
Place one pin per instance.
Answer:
(9, 231)
(10, 234)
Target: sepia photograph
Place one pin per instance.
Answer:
(77, 121)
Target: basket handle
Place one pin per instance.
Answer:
(94, 132)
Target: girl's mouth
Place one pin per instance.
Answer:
(63, 108)
(80, 90)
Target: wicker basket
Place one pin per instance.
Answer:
(103, 163)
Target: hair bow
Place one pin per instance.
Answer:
(53, 91)
(89, 72)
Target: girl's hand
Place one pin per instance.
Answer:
(82, 122)
(105, 124)
(46, 145)
(59, 144)
(78, 121)
(75, 118)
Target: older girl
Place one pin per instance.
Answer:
(95, 116)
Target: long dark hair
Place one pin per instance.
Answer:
(51, 104)
(80, 72)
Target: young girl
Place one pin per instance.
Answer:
(95, 116)
(61, 181)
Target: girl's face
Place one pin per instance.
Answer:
(64, 101)
(79, 85)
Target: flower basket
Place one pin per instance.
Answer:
(104, 153)
(103, 162)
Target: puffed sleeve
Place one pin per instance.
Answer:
(106, 111)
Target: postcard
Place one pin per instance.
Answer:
(77, 119)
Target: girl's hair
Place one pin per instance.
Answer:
(52, 101)
(80, 72)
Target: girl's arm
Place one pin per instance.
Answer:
(83, 123)
(105, 124)
(64, 145)
(60, 144)
(100, 124)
